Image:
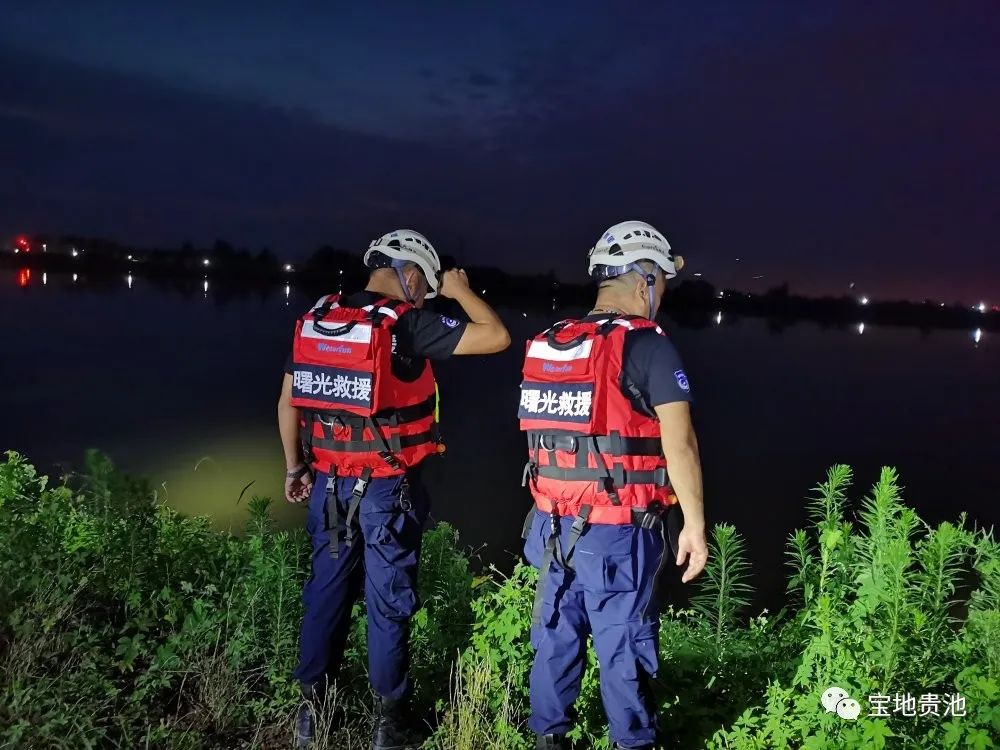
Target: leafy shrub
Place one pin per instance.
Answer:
(124, 624)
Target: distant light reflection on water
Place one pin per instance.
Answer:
(181, 386)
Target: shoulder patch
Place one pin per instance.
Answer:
(449, 322)
(682, 380)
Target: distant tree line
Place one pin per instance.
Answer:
(235, 271)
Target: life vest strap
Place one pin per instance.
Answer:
(621, 476)
(612, 445)
(386, 417)
(395, 443)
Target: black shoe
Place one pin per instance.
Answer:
(305, 719)
(305, 725)
(393, 730)
(616, 746)
(552, 742)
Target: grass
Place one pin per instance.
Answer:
(123, 624)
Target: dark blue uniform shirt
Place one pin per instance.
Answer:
(653, 366)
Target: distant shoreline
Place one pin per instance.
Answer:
(693, 303)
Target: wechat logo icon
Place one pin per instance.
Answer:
(836, 700)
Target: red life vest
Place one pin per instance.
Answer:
(590, 452)
(357, 417)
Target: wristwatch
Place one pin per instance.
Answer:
(296, 473)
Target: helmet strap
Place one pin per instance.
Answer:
(611, 272)
(650, 283)
(398, 266)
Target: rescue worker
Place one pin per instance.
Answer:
(357, 418)
(605, 404)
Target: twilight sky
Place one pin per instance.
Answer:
(818, 143)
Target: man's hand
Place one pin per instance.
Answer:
(298, 484)
(453, 283)
(692, 549)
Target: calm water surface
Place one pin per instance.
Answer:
(182, 388)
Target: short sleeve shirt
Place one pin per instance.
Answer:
(418, 335)
(653, 366)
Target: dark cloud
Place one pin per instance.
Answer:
(850, 143)
(482, 80)
(439, 99)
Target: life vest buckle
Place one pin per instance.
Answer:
(566, 443)
(361, 486)
(336, 422)
(389, 459)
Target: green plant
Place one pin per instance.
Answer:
(882, 615)
(725, 588)
(123, 624)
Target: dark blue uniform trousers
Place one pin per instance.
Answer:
(607, 595)
(384, 557)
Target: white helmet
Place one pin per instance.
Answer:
(630, 242)
(405, 244)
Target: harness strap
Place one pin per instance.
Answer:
(333, 518)
(608, 480)
(543, 570)
(389, 449)
(531, 467)
(553, 551)
(360, 487)
(575, 531)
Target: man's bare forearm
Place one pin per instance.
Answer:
(476, 308)
(288, 426)
(684, 468)
(481, 314)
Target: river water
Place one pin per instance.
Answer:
(182, 388)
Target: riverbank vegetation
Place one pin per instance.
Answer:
(123, 624)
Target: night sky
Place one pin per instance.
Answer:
(818, 143)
